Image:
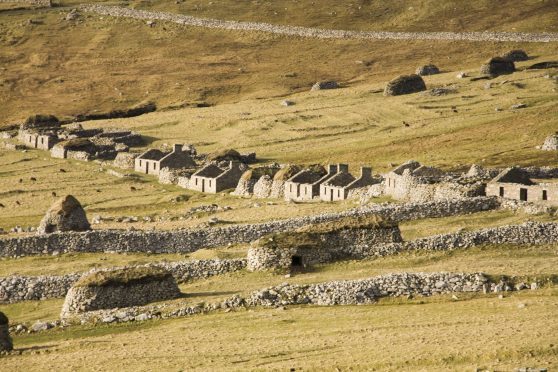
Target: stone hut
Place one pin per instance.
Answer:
(515, 183)
(305, 185)
(349, 238)
(213, 178)
(321, 85)
(66, 214)
(115, 288)
(427, 70)
(153, 160)
(338, 186)
(516, 55)
(225, 155)
(77, 148)
(550, 143)
(497, 66)
(6, 343)
(249, 179)
(405, 84)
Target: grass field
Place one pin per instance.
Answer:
(68, 68)
(52, 66)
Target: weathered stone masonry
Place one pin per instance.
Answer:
(190, 240)
(24, 288)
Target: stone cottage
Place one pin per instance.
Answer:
(348, 238)
(153, 160)
(515, 183)
(39, 132)
(338, 186)
(213, 178)
(305, 185)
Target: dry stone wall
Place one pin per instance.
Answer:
(190, 240)
(356, 292)
(26, 288)
(329, 293)
(315, 32)
(534, 233)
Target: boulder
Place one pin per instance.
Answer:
(516, 55)
(65, 214)
(320, 85)
(497, 66)
(5, 339)
(404, 84)
(551, 143)
(427, 70)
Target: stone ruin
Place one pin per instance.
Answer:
(347, 238)
(415, 182)
(550, 143)
(250, 177)
(516, 55)
(115, 288)
(497, 66)
(6, 344)
(427, 70)
(404, 84)
(45, 132)
(66, 214)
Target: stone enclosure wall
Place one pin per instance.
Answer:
(353, 292)
(190, 240)
(24, 288)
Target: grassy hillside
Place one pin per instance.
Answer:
(394, 15)
(101, 63)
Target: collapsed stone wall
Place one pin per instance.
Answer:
(26, 288)
(190, 240)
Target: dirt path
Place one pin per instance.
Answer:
(320, 33)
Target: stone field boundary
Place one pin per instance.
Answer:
(317, 33)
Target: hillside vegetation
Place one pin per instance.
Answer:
(97, 64)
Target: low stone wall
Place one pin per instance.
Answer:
(329, 293)
(24, 288)
(316, 32)
(306, 249)
(32, 2)
(83, 298)
(190, 240)
(535, 233)
(355, 292)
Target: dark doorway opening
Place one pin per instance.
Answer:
(296, 261)
(501, 192)
(544, 195)
(523, 194)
